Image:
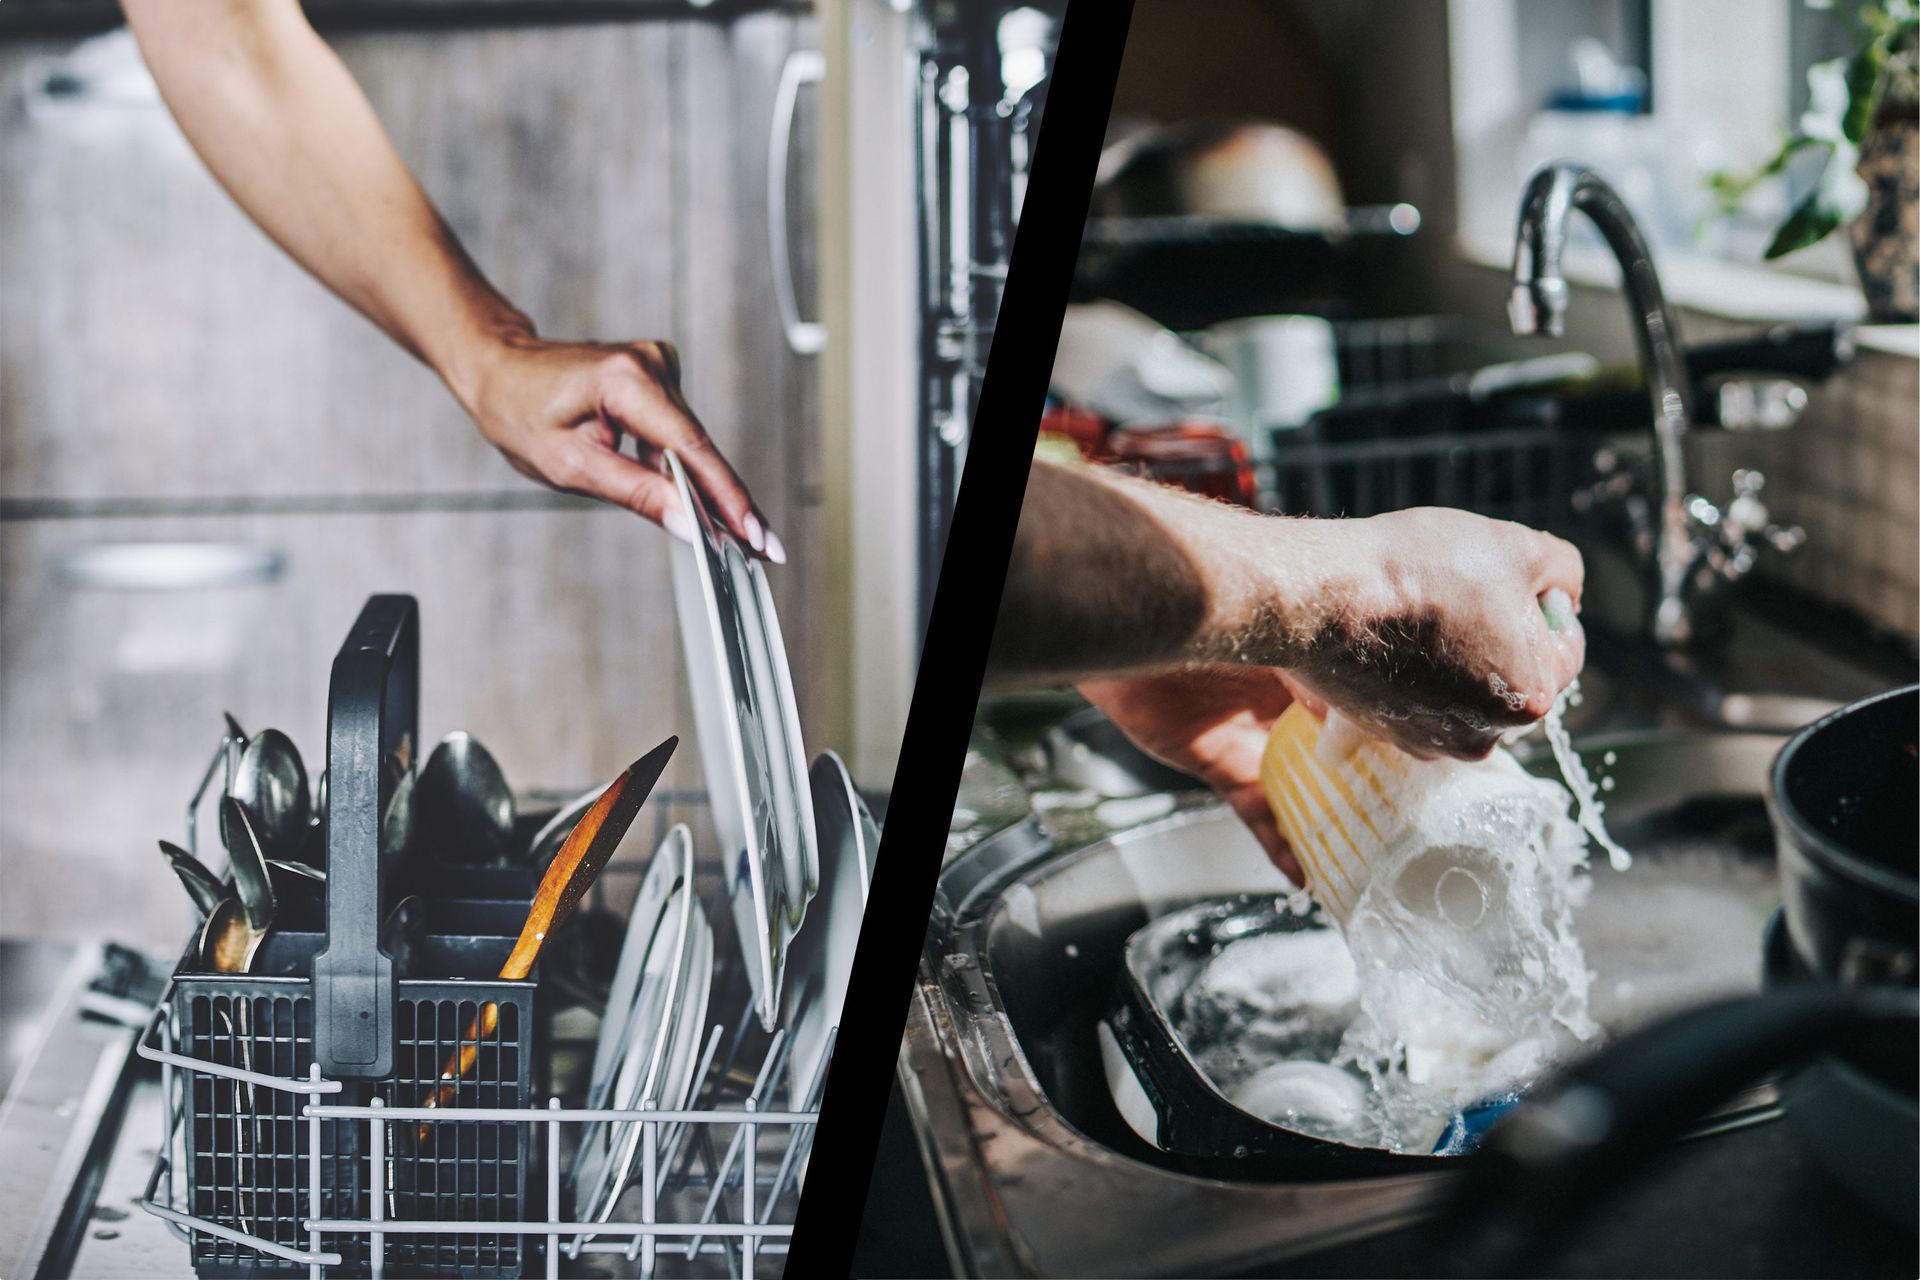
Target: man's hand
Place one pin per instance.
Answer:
(1423, 625)
(1440, 643)
(558, 411)
(1212, 722)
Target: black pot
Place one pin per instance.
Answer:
(1846, 819)
(1840, 995)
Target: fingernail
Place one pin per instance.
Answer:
(756, 535)
(776, 550)
(675, 523)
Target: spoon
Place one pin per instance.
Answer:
(296, 883)
(587, 848)
(298, 870)
(227, 944)
(397, 824)
(251, 881)
(202, 885)
(226, 941)
(271, 782)
(465, 806)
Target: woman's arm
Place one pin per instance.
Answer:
(286, 130)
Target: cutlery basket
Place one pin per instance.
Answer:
(324, 1012)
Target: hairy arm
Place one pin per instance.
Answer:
(1425, 624)
(1112, 574)
(283, 126)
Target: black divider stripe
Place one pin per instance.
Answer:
(953, 658)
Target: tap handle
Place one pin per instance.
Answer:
(1785, 539)
(1758, 404)
(1746, 514)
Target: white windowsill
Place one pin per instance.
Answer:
(1733, 290)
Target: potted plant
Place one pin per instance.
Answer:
(1865, 114)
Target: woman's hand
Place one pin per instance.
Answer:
(282, 124)
(559, 411)
(1212, 722)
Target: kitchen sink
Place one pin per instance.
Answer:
(1034, 1169)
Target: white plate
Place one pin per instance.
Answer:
(679, 1085)
(778, 720)
(760, 713)
(786, 729)
(733, 748)
(641, 1059)
(822, 960)
(671, 867)
(679, 1045)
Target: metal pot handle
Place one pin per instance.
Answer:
(803, 66)
(372, 716)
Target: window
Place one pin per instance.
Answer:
(1655, 95)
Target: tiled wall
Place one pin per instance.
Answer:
(1849, 474)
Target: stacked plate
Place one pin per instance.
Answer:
(786, 832)
(822, 957)
(750, 747)
(649, 1047)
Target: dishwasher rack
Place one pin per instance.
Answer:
(268, 1165)
(743, 1213)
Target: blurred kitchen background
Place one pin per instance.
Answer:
(207, 463)
(1361, 167)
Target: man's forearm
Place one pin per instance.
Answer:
(286, 130)
(1114, 574)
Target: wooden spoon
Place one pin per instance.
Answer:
(573, 870)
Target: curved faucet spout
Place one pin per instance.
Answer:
(1538, 304)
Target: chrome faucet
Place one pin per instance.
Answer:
(1690, 547)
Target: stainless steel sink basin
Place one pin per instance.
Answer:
(1035, 1172)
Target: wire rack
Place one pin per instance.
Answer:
(266, 1167)
(1362, 463)
(714, 1181)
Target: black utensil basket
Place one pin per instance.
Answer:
(323, 993)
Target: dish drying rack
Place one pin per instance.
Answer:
(1350, 461)
(266, 1164)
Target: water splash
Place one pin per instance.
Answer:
(1588, 807)
(1471, 980)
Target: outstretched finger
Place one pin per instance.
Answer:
(656, 419)
(617, 479)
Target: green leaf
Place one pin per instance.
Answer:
(1836, 201)
(1729, 187)
(1864, 75)
(1808, 224)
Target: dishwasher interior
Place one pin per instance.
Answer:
(419, 1033)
